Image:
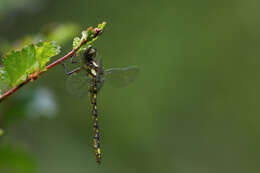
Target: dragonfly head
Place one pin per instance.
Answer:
(90, 54)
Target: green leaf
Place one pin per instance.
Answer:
(90, 35)
(44, 51)
(101, 26)
(3, 84)
(76, 42)
(13, 159)
(18, 65)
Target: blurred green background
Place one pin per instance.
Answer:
(193, 109)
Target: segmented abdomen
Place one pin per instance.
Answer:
(96, 142)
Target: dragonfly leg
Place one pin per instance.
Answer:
(72, 61)
(70, 72)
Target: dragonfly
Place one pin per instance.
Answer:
(89, 77)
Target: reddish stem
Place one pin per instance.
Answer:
(66, 56)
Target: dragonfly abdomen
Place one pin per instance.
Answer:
(96, 142)
(96, 134)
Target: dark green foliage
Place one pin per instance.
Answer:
(14, 159)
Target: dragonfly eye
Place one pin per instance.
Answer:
(90, 53)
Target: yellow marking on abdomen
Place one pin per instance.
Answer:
(94, 63)
(93, 72)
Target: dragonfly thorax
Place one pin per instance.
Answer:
(94, 69)
(88, 59)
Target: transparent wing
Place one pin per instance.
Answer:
(121, 77)
(78, 84)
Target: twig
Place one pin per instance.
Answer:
(70, 54)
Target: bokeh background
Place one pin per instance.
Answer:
(194, 107)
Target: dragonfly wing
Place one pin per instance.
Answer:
(100, 64)
(121, 77)
(78, 84)
(100, 74)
